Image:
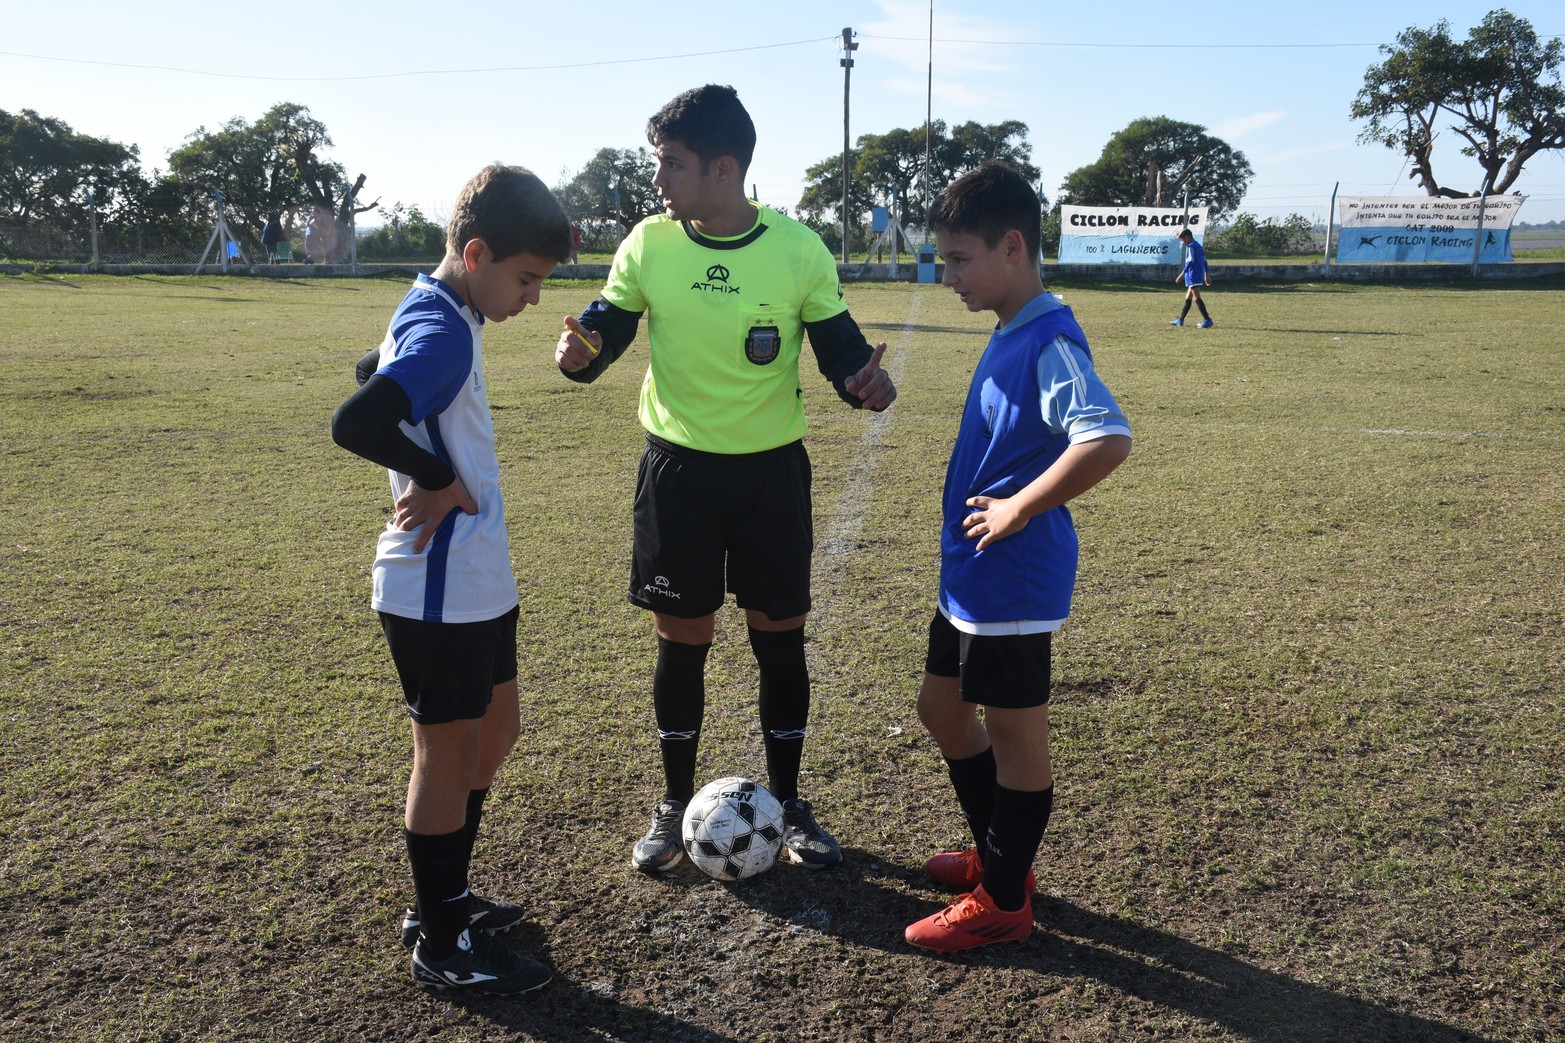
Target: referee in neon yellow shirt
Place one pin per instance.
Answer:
(729, 290)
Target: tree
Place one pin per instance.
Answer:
(1152, 162)
(47, 170)
(1501, 87)
(892, 165)
(274, 164)
(406, 234)
(614, 187)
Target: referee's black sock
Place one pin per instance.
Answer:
(973, 780)
(784, 705)
(439, 864)
(678, 703)
(1020, 817)
(1199, 303)
(1186, 311)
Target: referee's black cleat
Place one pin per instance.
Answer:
(803, 838)
(483, 915)
(480, 964)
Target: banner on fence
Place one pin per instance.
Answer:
(1424, 228)
(1127, 234)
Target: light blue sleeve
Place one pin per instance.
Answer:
(1074, 400)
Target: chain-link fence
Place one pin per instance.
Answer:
(1275, 230)
(174, 240)
(1286, 228)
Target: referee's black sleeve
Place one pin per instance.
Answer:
(840, 352)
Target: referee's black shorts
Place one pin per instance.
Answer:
(707, 524)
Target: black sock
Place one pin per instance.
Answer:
(1020, 818)
(973, 780)
(439, 878)
(678, 703)
(784, 705)
(1199, 303)
(1186, 311)
(475, 812)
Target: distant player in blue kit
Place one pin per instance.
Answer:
(1038, 429)
(443, 584)
(1194, 275)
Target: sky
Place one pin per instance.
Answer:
(419, 96)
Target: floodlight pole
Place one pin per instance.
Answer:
(848, 47)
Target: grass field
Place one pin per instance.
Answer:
(1309, 706)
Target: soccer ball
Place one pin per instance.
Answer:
(733, 829)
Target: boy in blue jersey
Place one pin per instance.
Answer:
(443, 584)
(1194, 275)
(1039, 429)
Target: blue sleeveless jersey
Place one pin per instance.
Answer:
(1034, 393)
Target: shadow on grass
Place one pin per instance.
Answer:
(1075, 943)
(570, 1012)
(1168, 971)
(566, 1011)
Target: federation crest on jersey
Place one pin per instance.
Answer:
(762, 344)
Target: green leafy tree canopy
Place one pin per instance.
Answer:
(1500, 89)
(275, 163)
(892, 165)
(1154, 161)
(614, 187)
(47, 170)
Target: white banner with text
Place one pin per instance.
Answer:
(1415, 229)
(1127, 234)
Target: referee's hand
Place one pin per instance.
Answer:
(872, 384)
(577, 346)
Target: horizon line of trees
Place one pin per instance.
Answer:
(1501, 87)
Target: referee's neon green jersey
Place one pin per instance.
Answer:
(725, 322)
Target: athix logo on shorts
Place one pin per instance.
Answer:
(659, 586)
(716, 281)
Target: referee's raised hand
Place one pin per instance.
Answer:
(872, 384)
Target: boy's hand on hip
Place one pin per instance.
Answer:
(424, 509)
(992, 519)
(872, 384)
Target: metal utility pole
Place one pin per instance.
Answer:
(929, 111)
(848, 47)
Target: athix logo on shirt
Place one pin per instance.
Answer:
(716, 281)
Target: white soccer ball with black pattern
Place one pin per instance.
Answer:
(733, 829)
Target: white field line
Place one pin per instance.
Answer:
(842, 533)
(1395, 432)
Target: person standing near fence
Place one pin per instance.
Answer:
(1195, 274)
(271, 235)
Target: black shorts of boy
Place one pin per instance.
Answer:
(706, 523)
(449, 670)
(1008, 671)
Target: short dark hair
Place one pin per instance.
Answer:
(988, 201)
(1185, 233)
(710, 121)
(513, 212)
